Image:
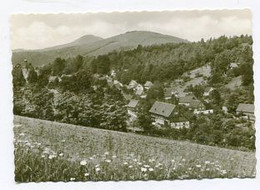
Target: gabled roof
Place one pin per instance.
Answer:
(233, 65)
(133, 103)
(162, 108)
(247, 108)
(187, 99)
(148, 84)
(196, 104)
(133, 82)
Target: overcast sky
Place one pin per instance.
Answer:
(37, 31)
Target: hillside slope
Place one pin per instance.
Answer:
(77, 143)
(94, 47)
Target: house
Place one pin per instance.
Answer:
(233, 65)
(131, 108)
(224, 109)
(148, 85)
(168, 92)
(180, 124)
(112, 73)
(192, 102)
(132, 84)
(132, 104)
(161, 112)
(246, 111)
(205, 112)
(207, 91)
(118, 84)
(53, 78)
(139, 89)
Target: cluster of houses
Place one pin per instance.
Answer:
(165, 113)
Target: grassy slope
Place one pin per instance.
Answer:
(78, 143)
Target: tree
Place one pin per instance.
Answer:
(58, 66)
(155, 92)
(145, 122)
(32, 75)
(18, 78)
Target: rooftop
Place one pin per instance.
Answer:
(162, 108)
(248, 108)
(133, 103)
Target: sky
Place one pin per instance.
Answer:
(36, 31)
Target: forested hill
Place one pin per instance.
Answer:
(81, 90)
(93, 46)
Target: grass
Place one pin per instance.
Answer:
(50, 151)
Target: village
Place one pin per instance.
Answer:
(176, 94)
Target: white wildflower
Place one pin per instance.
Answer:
(207, 162)
(173, 161)
(183, 160)
(61, 154)
(143, 169)
(86, 174)
(83, 162)
(72, 179)
(151, 160)
(91, 158)
(146, 166)
(97, 166)
(114, 156)
(106, 153)
(224, 172)
(125, 163)
(150, 169)
(198, 166)
(108, 161)
(97, 169)
(130, 166)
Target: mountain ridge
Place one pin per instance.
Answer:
(90, 45)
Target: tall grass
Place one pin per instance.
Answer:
(49, 151)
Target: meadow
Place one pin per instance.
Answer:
(51, 151)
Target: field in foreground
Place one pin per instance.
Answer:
(50, 151)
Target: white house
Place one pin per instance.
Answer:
(139, 89)
(180, 125)
(207, 91)
(246, 111)
(205, 112)
(148, 85)
(132, 84)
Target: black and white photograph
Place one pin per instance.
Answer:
(127, 96)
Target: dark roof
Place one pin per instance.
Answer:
(248, 108)
(187, 99)
(196, 104)
(133, 103)
(162, 108)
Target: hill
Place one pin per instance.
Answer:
(119, 156)
(93, 46)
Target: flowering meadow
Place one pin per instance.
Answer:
(50, 151)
